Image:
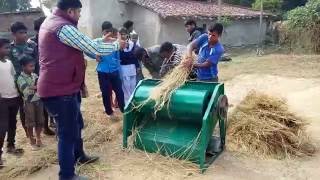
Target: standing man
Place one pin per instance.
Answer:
(210, 52)
(193, 30)
(62, 71)
(132, 33)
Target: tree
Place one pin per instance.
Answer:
(271, 5)
(289, 4)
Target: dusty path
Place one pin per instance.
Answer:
(303, 97)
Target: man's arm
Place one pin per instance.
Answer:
(196, 44)
(71, 36)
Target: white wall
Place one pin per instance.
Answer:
(155, 30)
(95, 12)
(239, 33)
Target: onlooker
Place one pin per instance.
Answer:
(108, 69)
(62, 76)
(193, 30)
(129, 64)
(27, 84)
(131, 32)
(20, 48)
(211, 50)
(35, 40)
(9, 97)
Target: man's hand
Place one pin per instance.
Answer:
(98, 58)
(188, 63)
(107, 37)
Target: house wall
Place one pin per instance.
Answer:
(155, 30)
(27, 18)
(95, 12)
(146, 24)
(239, 33)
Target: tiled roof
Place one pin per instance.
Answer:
(196, 9)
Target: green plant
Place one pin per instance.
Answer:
(271, 5)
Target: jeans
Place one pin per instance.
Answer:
(66, 112)
(107, 80)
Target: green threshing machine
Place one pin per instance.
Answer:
(183, 129)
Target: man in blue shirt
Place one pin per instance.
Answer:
(210, 52)
(108, 69)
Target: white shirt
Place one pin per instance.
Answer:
(8, 87)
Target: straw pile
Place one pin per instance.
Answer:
(262, 125)
(162, 93)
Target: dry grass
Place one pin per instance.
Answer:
(162, 93)
(262, 125)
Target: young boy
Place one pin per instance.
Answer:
(27, 84)
(108, 69)
(210, 52)
(9, 97)
(19, 48)
(35, 40)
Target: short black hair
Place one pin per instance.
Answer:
(3, 42)
(218, 27)
(166, 47)
(25, 60)
(18, 26)
(37, 23)
(66, 4)
(106, 25)
(128, 24)
(190, 22)
(123, 30)
(138, 52)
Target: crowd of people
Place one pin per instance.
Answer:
(43, 78)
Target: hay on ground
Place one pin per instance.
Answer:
(263, 125)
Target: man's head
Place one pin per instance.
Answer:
(124, 33)
(27, 64)
(71, 7)
(106, 27)
(166, 50)
(214, 32)
(128, 25)
(141, 54)
(37, 23)
(19, 32)
(190, 25)
(4, 47)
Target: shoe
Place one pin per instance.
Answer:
(49, 132)
(14, 151)
(87, 159)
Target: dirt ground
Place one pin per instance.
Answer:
(293, 77)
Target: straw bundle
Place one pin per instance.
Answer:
(162, 93)
(262, 125)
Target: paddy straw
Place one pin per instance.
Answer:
(264, 126)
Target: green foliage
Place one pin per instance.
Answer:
(14, 5)
(271, 5)
(225, 21)
(305, 21)
(306, 16)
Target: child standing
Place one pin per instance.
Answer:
(20, 47)
(9, 97)
(27, 84)
(129, 66)
(108, 69)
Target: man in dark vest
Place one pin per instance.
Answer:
(62, 71)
